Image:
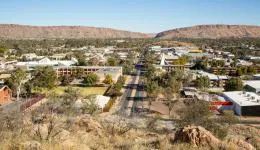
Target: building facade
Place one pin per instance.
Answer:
(101, 71)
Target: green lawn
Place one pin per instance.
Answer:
(84, 91)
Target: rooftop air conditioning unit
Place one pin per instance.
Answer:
(252, 97)
(248, 95)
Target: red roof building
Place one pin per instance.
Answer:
(5, 94)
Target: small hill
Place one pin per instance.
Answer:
(14, 31)
(212, 32)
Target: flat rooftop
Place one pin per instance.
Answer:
(243, 98)
(253, 83)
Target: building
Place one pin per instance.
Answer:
(5, 94)
(256, 76)
(244, 103)
(4, 77)
(29, 56)
(170, 68)
(252, 86)
(100, 100)
(229, 70)
(59, 56)
(215, 80)
(7, 65)
(101, 71)
(252, 57)
(167, 59)
(46, 62)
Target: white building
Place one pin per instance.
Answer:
(244, 103)
(167, 59)
(256, 76)
(252, 85)
(100, 100)
(46, 62)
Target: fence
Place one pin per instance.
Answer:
(30, 102)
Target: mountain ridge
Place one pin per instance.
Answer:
(16, 31)
(211, 31)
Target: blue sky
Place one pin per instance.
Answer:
(148, 16)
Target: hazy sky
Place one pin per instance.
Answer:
(135, 15)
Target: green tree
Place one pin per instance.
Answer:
(181, 61)
(91, 79)
(151, 89)
(202, 82)
(199, 113)
(251, 70)
(66, 80)
(239, 72)
(44, 77)
(80, 56)
(111, 61)
(3, 50)
(108, 79)
(79, 73)
(234, 84)
(200, 65)
(196, 113)
(127, 67)
(16, 81)
(169, 94)
(28, 86)
(120, 83)
(178, 74)
(150, 73)
(94, 61)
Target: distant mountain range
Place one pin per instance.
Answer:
(14, 31)
(211, 31)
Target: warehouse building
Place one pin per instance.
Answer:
(244, 103)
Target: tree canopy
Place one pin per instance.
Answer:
(202, 82)
(108, 79)
(91, 79)
(234, 84)
(16, 81)
(44, 77)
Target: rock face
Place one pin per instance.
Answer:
(241, 144)
(199, 136)
(13, 31)
(211, 31)
(195, 135)
(90, 125)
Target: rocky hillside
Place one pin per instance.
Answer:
(211, 31)
(12, 31)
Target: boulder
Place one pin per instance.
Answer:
(195, 135)
(241, 144)
(255, 141)
(63, 135)
(90, 125)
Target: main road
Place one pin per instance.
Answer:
(131, 101)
